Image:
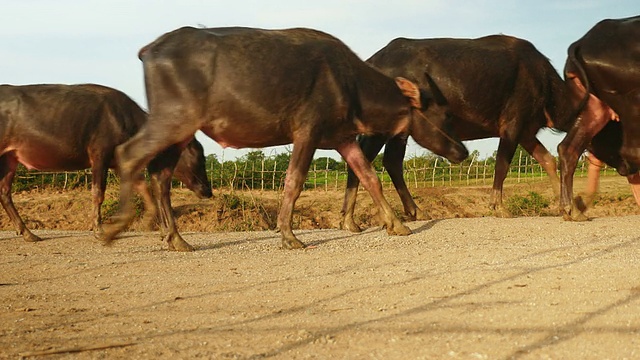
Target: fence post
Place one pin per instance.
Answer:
(346, 170)
(415, 175)
(262, 175)
(273, 179)
(540, 168)
(222, 169)
(315, 176)
(211, 179)
(484, 172)
(433, 175)
(235, 174)
(469, 170)
(326, 176)
(477, 165)
(519, 164)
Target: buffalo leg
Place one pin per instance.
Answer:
(154, 221)
(132, 157)
(594, 117)
(293, 183)
(393, 161)
(569, 150)
(371, 146)
(585, 199)
(8, 165)
(634, 181)
(546, 160)
(98, 186)
(161, 169)
(506, 150)
(150, 205)
(354, 156)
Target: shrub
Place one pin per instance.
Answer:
(533, 204)
(110, 207)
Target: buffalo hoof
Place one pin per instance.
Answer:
(420, 215)
(109, 234)
(98, 232)
(577, 215)
(111, 231)
(348, 224)
(398, 229)
(177, 243)
(292, 243)
(583, 201)
(574, 215)
(150, 223)
(29, 237)
(501, 212)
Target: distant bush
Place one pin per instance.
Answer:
(110, 207)
(533, 204)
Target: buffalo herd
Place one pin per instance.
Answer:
(247, 87)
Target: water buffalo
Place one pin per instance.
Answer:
(73, 127)
(494, 86)
(602, 72)
(248, 87)
(584, 200)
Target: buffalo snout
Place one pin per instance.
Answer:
(458, 153)
(203, 191)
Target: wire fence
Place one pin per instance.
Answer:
(415, 175)
(269, 175)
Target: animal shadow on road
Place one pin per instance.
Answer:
(275, 239)
(218, 245)
(426, 226)
(45, 237)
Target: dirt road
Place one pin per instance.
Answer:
(472, 288)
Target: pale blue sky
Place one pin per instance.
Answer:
(80, 41)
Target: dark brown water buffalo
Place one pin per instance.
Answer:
(74, 127)
(603, 72)
(595, 165)
(606, 145)
(255, 88)
(494, 86)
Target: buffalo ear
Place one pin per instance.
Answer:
(410, 90)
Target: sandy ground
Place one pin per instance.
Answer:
(457, 288)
